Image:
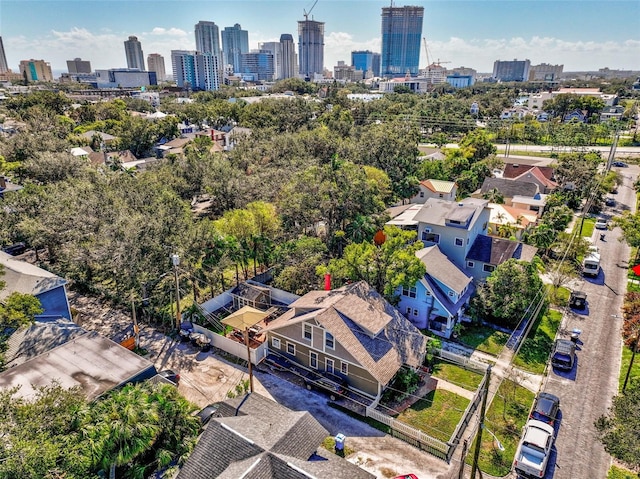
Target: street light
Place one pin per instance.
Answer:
(500, 446)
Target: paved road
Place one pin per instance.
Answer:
(586, 392)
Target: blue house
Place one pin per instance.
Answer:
(438, 300)
(23, 277)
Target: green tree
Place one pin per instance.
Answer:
(629, 223)
(18, 310)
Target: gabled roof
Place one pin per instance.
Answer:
(436, 211)
(495, 251)
(105, 136)
(442, 269)
(439, 186)
(514, 170)
(255, 437)
(536, 173)
(23, 277)
(364, 323)
(509, 188)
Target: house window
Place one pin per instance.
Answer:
(488, 268)
(408, 311)
(328, 365)
(422, 194)
(410, 292)
(459, 241)
(313, 360)
(328, 340)
(451, 293)
(470, 264)
(291, 349)
(275, 342)
(344, 368)
(428, 293)
(430, 237)
(441, 195)
(415, 312)
(306, 334)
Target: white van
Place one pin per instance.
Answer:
(591, 262)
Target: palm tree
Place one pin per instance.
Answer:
(494, 196)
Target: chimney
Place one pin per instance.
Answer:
(327, 282)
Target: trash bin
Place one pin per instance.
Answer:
(340, 438)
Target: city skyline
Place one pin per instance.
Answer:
(582, 35)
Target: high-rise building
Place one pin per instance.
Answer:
(258, 65)
(311, 47)
(275, 49)
(78, 65)
(195, 70)
(235, 42)
(545, 72)
(133, 51)
(289, 60)
(36, 70)
(401, 36)
(208, 41)
(155, 63)
(366, 61)
(516, 70)
(4, 67)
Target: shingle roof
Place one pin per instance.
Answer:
(536, 173)
(513, 170)
(264, 440)
(442, 269)
(26, 278)
(439, 186)
(436, 211)
(492, 250)
(509, 188)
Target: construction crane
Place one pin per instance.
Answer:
(426, 51)
(306, 14)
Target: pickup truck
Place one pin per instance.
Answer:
(532, 455)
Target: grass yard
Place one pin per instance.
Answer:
(484, 338)
(457, 375)
(437, 414)
(619, 473)
(624, 366)
(506, 416)
(587, 226)
(535, 350)
(558, 296)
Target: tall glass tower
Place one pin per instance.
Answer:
(4, 68)
(401, 35)
(235, 42)
(133, 51)
(289, 59)
(311, 47)
(208, 41)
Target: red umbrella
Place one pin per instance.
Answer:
(636, 269)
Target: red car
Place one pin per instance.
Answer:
(406, 476)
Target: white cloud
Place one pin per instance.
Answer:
(171, 32)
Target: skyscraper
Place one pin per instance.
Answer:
(311, 47)
(133, 50)
(36, 70)
(235, 42)
(275, 49)
(289, 64)
(258, 65)
(155, 63)
(198, 71)
(208, 41)
(78, 65)
(401, 35)
(366, 60)
(516, 70)
(4, 68)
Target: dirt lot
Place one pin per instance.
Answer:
(207, 377)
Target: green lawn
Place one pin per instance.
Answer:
(587, 226)
(624, 366)
(558, 296)
(437, 414)
(457, 375)
(505, 417)
(484, 338)
(619, 473)
(535, 350)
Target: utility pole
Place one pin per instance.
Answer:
(249, 365)
(633, 356)
(483, 408)
(175, 259)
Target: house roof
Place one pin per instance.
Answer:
(503, 214)
(26, 278)
(255, 437)
(536, 173)
(439, 186)
(105, 136)
(445, 299)
(364, 323)
(407, 215)
(436, 211)
(81, 150)
(509, 188)
(514, 170)
(442, 269)
(537, 200)
(495, 251)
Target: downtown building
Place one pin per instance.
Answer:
(367, 61)
(36, 70)
(155, 62)
(289, 59)
(208, 41)
(133, 52)
(195, 70)
(77, 65)
(401, 37)
(258, 66)
(235, 42)
(516, 70)
(311, 48)
(4, 67)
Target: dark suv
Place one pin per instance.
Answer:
(564, 354)
(545, 408)
(330, 383)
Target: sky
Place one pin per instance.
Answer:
(580, 34)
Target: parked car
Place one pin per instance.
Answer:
(545, 408)
(534, 449)
(610, 201)
(333, 385)
(206, 413)
(171, 375)
(620, 164)
(601, 224)
(563, 356)
(15, 249)
(578, 299)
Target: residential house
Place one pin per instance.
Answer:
(507, 188)
(105, 138)
(112, 157)
(22, 277)
(540, 175)
(515, 221)
(611, 113)
(435, 189)
(576, 115)
(534, 203)
(252, 437)
(173, 147)
(81, 151)
(352, 332)
(513, 171)
(438, 300)
(489, 252)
